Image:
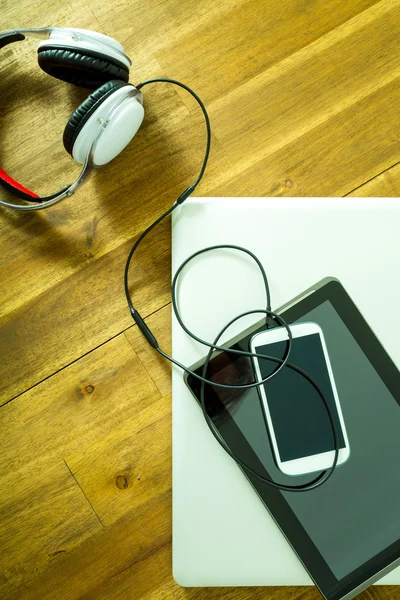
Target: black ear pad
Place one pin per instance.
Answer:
(87, 108)
(86, 69)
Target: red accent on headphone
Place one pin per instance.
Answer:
(14, 184)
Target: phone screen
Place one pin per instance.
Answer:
(300, 420)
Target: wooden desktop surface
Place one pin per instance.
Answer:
(304, 100)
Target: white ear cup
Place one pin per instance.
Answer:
(120, 126)
(84, 39)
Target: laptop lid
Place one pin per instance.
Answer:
(222, 534)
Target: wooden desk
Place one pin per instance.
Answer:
(304, 100)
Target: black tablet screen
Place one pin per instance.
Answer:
(355, 516)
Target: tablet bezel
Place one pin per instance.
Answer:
(330, 587)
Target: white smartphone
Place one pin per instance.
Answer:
(298, 423)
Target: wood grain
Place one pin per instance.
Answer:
(303, 98)
(385, 185)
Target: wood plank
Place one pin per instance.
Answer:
(382, 186)
(129, 466)
(32, 537)
(163, 22)
(82, 401)
(89, 308)
(128, 558)
(45, 511)
(323, 162)
(229, 52)
(338, 70)
(313, 118)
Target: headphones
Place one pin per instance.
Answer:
(101, 127)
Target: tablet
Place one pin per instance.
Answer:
(347, 532)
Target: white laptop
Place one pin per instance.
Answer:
(222, 533)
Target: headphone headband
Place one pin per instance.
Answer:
(68, 36)
(44, 201)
